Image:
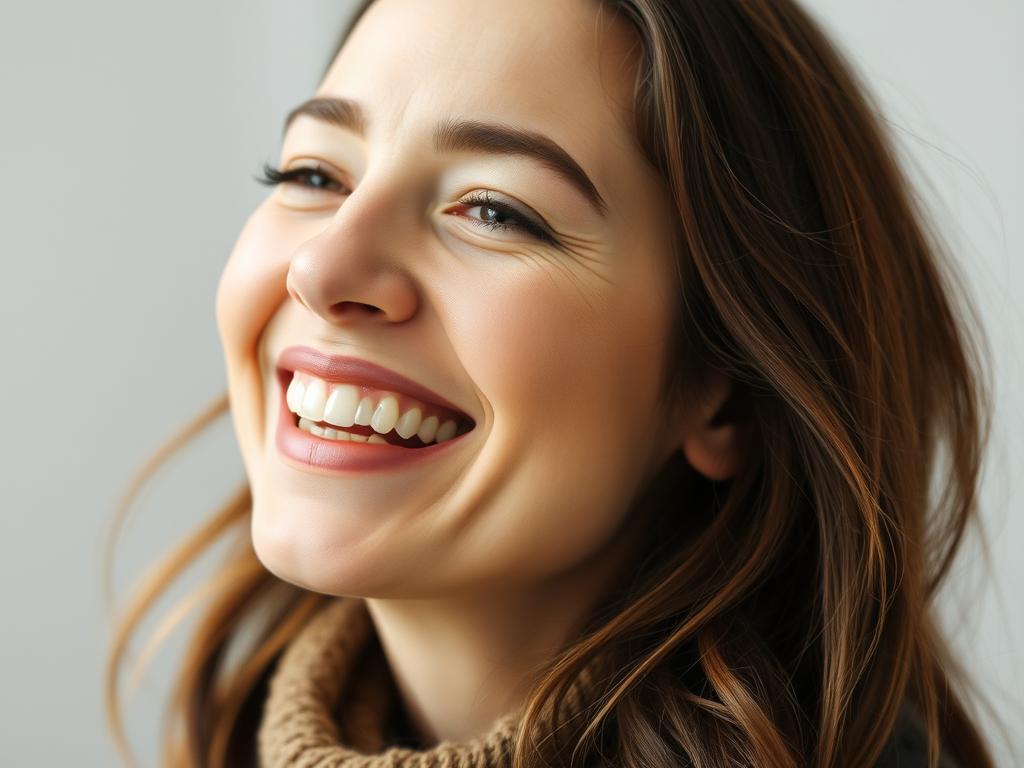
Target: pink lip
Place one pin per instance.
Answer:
(353, 370)
(323, 453)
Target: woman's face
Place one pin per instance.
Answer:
(549, 335)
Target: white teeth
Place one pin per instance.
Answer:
(384, 418)
(364, 412)
(312, 406)
(446, 432)
(427, 429)
(339, 434)
(294, 396)
(409, 423)
(340, 408)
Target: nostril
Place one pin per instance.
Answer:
(345, 307)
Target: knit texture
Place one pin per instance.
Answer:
(332, 704)
(332, 699)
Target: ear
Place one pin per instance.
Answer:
(713, 429)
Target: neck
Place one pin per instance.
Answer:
(461, 662)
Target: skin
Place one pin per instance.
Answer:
(479, 565)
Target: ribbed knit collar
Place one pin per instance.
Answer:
(331, 704)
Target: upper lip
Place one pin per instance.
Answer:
(354, 370)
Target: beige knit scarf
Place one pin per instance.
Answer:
(332, 701)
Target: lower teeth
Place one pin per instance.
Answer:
(339, 435)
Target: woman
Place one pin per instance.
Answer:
(589, 363)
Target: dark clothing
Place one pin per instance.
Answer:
(908, 747)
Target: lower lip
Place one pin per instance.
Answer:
(345, 455)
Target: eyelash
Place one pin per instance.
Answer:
(273, 176)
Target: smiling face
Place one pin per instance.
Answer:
(544, 318)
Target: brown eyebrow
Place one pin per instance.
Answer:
(343, 113)
(452, 135)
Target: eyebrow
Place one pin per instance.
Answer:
(452, 135)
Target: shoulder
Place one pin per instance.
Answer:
(908, 747)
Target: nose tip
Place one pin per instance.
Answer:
(318, 283)
(359, 267)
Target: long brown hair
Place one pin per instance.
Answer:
(783, 617)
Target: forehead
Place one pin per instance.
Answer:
(562, 68)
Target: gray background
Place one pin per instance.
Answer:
(130, 134)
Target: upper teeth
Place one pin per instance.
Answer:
(346, 404)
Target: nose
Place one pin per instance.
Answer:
(352, 270)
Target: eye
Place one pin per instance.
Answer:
(498, 215)
(314, 178)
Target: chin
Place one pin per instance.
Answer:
(312, 555)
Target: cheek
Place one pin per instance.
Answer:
(569, 365)
(562, 349)
(251, 287)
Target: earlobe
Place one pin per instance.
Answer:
(714, 453)
(712, 436)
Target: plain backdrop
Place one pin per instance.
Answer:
(130, 136)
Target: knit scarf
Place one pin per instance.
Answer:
(332, 703)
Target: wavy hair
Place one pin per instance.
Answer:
(783, 617)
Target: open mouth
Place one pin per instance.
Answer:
(357, 414)
(365, 433)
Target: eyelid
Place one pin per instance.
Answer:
(521, 209)
(293, 173)
(528, 221)
(300, 161)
